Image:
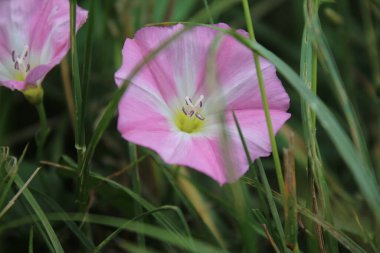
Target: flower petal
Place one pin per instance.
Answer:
(206, 156)
(133, 55)
(237, 75)
(178, 70)
(255, 130)
(51, 40)
(13, 84)
(37, 74)
(140, 110)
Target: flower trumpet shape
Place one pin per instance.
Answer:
(34, 37)
(173, 106)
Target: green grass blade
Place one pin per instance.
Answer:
(346, 241)
(267, 190)
(8, 171)
(65, 218)
(216, 8)
(211, 220)
(88, 54)
(290, 200)
(79, 115)
(136, 184)
(155, 232)
(30, 245)
(276, 157)
(328, 63)
(205, 2)
(164, 220)
(41, 216)
(130, 247)
(371, 41)
(308, 73)
(272, 205)
(79, 141)
(17, 195)
(125, 225)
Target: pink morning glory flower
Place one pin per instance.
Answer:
(170, 108)
(34, 37)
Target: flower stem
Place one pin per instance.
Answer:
(259, 73)
(43, 133)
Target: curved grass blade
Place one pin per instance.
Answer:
(51, 235)
(276, 157)
(8, 171)
(125, 225)
(215, 9)
(65, 218)
(266, 189)
(136, 184)
(290, 199)
(346, 241)
(155, 232)
(165, 221)
(205, 2)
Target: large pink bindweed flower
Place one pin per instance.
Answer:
(171, 108)
(34, 37)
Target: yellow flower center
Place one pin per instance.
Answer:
(190, 119)
(188, 124)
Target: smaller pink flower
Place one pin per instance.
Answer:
(34, 37)
(170, 108)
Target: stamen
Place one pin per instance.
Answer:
(188, 102)
(184, 110)
(199, 101)
(25, 52)
(199, 116)
(13, 56)
(21, 62)
(190, 109)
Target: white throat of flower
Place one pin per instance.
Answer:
(21, 61)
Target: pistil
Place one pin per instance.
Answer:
(21, 62)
